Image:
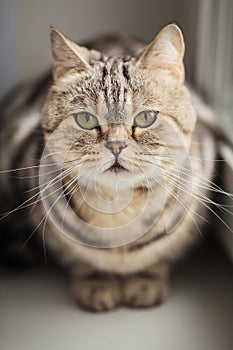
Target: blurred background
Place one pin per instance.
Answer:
(35, 307)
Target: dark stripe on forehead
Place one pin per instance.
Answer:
(104, 73)
(105, 82)
(115, 83)
(126, 73)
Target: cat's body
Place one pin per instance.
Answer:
(135, 271)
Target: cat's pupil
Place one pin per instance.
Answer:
(88, 117)
(145, 116)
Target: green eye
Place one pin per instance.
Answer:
(86, 120)
(145, 119)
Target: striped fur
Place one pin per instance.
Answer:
(119, 80)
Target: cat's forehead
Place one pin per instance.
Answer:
(110, 88)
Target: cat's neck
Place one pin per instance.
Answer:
(109, 208)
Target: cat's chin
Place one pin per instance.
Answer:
(116, 177)
(116, 168)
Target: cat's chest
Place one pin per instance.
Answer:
(111, 209)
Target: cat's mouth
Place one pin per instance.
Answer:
(116, 167)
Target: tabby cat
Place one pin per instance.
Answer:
(111, 162)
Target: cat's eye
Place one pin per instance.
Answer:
(86, 120)
(145, 119)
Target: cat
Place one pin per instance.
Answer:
(114, 159)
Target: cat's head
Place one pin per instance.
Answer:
(118, 117)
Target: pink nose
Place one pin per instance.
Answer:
(115, 146)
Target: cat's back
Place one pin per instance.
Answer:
(116, 45)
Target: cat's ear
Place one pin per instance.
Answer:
(166, 52)
(67, 55)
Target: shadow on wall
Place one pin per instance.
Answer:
(24, 27)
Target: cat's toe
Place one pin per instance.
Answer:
(97, 294)
(144, 292)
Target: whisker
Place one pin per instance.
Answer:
(25, 168)
(188, 211)
(204, 200)
(42, 188)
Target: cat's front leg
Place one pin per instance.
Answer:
(94, 290)
(147, 288)
(100, 291)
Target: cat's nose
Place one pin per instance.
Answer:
(115, 146)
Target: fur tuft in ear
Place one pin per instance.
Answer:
(67, 55)
(165, 52)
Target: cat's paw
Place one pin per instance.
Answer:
(140, 291)
(97, 294)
